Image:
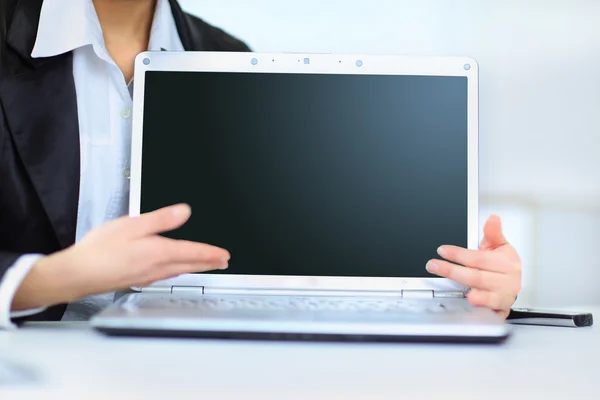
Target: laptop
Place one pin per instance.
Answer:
(331, 180)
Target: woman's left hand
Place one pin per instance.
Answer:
(493, 272)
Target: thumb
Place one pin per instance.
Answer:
(492, 234)
(159, 221)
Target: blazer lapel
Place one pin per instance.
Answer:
(192, 37)
(197, 35)
(40, 106)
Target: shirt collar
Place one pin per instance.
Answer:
(67, 25)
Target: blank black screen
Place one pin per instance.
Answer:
(310, 174)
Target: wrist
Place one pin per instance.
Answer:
(51, 281)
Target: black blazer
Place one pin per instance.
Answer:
(39, 134)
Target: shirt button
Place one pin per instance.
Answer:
(126, 173)
(126, 113)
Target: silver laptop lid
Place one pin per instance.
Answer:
(316, 171)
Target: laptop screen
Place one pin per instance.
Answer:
(310, 174)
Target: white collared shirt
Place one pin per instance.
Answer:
(104, 106)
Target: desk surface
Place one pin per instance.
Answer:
(72, 361)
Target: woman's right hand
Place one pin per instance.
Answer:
(120, 254)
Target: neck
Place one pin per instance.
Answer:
(126, 28)
(130, 19)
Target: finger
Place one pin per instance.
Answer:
(480, 259)
(492, 234)
(159, 221)
(470, 277)
(170, 251)
(493, 300)
(162, 272)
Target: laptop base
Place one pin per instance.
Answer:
(290, 337)
(254, 318)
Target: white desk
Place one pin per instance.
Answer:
(76, 362)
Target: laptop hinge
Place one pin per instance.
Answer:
(454, 294)
(417, 294)
(428, 294)
(188, 289)
(408, 294)
(174, 289)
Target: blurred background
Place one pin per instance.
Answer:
(539, 107)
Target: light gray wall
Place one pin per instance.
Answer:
(540, 106)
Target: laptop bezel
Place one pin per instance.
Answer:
(310, 64)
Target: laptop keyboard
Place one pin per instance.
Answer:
(284, 303)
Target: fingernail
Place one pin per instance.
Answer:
(441, 251)
(432, 267)
(224, 266)
(225, 258)
(182, 210)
